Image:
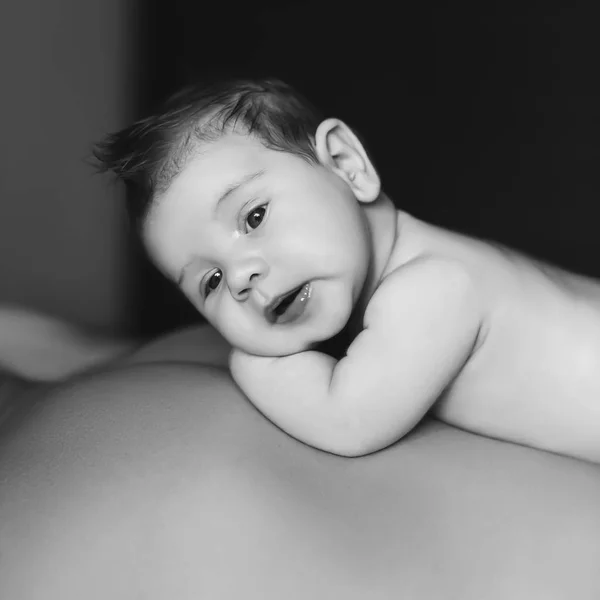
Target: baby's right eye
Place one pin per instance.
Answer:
(212, 283)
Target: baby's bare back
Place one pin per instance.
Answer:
(535, 378)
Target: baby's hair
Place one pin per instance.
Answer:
(149, 154)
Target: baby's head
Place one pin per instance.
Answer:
(255, 206)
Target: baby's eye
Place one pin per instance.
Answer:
(255, 216)
(212, 283)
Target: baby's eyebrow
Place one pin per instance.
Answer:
(234, 187)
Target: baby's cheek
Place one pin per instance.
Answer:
(232, 330)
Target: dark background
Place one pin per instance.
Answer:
(481, 117)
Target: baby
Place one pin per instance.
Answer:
(350, 320)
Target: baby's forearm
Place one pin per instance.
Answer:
(333, 406)
(294, 393)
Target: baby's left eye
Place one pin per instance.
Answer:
(255, 216)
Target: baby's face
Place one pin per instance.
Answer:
(272, 250)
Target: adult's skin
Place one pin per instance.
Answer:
(158, 480)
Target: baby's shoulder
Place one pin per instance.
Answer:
(421, 285)
(489, 265)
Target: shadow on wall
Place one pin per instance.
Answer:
(482, 117)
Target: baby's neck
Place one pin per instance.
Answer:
(382, 220)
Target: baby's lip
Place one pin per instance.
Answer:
(269, 311)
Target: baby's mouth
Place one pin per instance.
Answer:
(289, 306)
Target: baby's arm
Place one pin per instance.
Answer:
(420, 328)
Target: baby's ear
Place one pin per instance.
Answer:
(339, 148)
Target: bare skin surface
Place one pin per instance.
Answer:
(161, 481)
(535, 378)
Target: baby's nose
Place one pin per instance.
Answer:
(243, 276)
